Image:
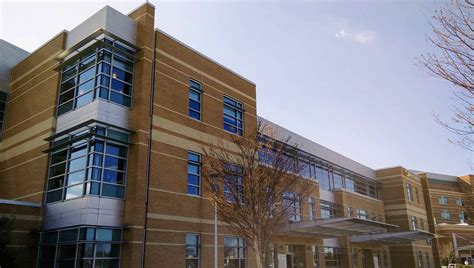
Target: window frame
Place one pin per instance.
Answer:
(199, 92)
(198, 164)
(118, 52)
(197, 248)
(236, 109)
(88, 136)
(241, 249)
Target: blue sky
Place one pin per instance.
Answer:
(340, 73)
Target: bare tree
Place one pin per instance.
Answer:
(256, 186)
(453, 40)
(446, 253)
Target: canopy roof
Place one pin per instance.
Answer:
(393, 238)
(335, 227)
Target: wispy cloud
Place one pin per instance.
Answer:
(361, 37)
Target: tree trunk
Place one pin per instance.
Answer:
(259, 254)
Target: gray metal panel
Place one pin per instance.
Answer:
(99, 110)
(321, 151)
(107, 18)
(89, 210)
(10, 55)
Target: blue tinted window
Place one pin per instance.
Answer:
(233, 116)
(194, 100)
(90, 162)
(91, 78)
(194, 174)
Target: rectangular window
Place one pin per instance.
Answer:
(3, 110)
(315, 253)
(233, 183)
(194, 173)
(413, 222)
(234, 252)
(332, 257)
(195, 100)
(443, 200)
(349, 212)
(417, 195)
(233, 116)
(428, 264)
(459, 202)
(90, 161)
(445, 215)
(103, 71)
(461, 217)
(362, 214)
(192, 250)
(349, 183)
(312, 214)
(322, 176)
(337, 177)
(292, 205)
(409, 193)
(328, 209)
(81, 245)
(420, 259)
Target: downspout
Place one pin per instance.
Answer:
(148, 157)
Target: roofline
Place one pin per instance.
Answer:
(203, 55)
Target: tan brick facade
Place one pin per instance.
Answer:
(157, 210)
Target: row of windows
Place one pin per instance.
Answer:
(235, 255)
(3, 109)
(90, 162)
(443, 200)
(446, 215)
(81, 247)
(104, 71)
(330, 177)
(233, 113)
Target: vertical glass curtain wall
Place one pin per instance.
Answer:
(91, 161)
(83, 247)
(103, 70)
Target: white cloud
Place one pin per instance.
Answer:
(362, 37)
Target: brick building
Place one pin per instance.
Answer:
(102, 130)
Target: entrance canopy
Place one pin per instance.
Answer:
(393, 238)
(335, 227)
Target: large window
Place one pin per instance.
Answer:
(328, 209)
(194, 173)
(104, 70)
(192, 250)
(234, 252)
(329, 176)
(82, 247)
(332, 257)
(91, 161)
(233, 116)
(3, 110)
(443, 200)
(292, 204)
(194, 100)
